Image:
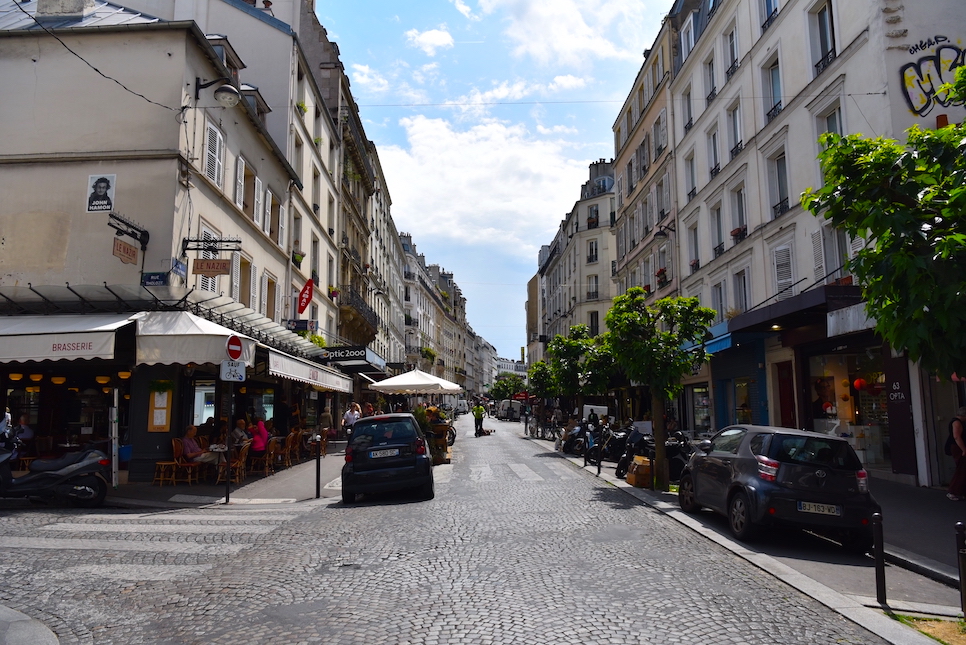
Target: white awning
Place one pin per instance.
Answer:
(60, 337)
(180, 337)
(297, 369)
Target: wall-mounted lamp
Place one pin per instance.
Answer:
(36, 378)
(106, 390)
(58, 380)
(124, 375)
(226, 95)
(662, 230)
(103, 380)
(14, 376)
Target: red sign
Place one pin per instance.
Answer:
(128, 253)
(305, 295)
(233, 347)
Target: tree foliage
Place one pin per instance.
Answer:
(580, 364)
(908, 202)
(506, 386)
(541, 380)
(648, 343)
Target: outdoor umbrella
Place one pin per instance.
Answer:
(416, 382)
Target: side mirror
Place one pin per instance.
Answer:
(705, 445)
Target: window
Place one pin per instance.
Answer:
(734, 130)
(717, 230)
(687, 37)
(713, 154)
(258, 195)
(728, 441)
(206, 283)
(593, 322)
(718, 301)
(741, 290)
(731, 52)
(823, 37)
(214, 155)
(690, 178)
(299, 156)
(769, 13)
(314, 258)
(773, 91)
(593, 287)
(693, 243)
(709, 80)
(240, 183)
(779, 180)
(593, 219)
(688, 115)
(783, 271)
(832, 121)
(591, 251)
(662, 202)
(738, 218)
(246, 282)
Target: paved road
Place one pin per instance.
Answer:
(519, 546)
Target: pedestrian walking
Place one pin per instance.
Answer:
(957, 486)
(478, 412)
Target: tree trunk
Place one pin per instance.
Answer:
(659, 467)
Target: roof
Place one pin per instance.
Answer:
(19, 16)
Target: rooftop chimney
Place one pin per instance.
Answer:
(63, 8)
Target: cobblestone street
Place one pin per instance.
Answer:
(519, 546)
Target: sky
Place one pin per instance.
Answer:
(486, 115)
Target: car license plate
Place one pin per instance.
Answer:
(392, 452)
(820, 509)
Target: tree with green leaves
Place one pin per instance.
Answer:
(908, 202)
(506, 386)
(541, 380)
(648, 343)
(580, 364)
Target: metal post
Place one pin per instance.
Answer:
(961, 558)
(879, 553)
(318, 465)
(227, 454)
(114, 436)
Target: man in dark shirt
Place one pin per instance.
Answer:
(283, 416)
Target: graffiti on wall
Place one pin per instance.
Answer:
(922, 78)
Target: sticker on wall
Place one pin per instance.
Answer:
(101, 198)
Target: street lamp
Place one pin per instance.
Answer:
(226, 95)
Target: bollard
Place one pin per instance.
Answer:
(961, 558)
(318, 465)
(879, 553)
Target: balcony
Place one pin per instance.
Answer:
(357, 318)
(731, 70)
(737, 149)
(661, 214)
(775, 110)
(591, 258)
(769, 20)
(688, 125)
(715, 169)
(411, 322)
(592, 222)
(593, 295)
(718, 250)
(657, 151)
(613, 267)
(824, 62)
(409, 275)
(780, 208)
(712, 95)
(738, 234)
(692, 193)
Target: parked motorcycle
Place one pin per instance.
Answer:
(78, 477)
(677, 451)
(637, 443)
(575, 441)
(609, 446)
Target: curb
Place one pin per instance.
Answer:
(19, 629)
(853, 609)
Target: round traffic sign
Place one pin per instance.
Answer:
(233, 347)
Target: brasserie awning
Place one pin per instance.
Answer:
(59, 337)
(297, 369)
(180, 337)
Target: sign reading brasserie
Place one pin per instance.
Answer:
(211, 268)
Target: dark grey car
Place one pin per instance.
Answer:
(760, 475)
(387, 453)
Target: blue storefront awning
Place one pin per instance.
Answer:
(718, 344)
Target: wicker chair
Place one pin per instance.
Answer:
(284, 457)
(266, 462)
(236, 465)
(186, 471)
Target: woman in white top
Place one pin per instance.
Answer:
(350, 417)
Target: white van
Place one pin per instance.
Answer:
(462, 407)
(509, 410)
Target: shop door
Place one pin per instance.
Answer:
(786, 394)
(902, 435)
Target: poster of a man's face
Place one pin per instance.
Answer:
(101, 197)
(824, 403)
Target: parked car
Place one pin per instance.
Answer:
(387, 453)
(762, 475)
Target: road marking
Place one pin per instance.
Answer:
(216, 516)
(481, 473)
(335, 484)
(158, 528)
(133, 572)
(71, 544)
(564, 471)
(525, 473)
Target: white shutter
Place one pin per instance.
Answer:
(236, 276)
(267, 221)
(214, 155)
(282, 214)
(278, 302)
(257, 208)
(856, 245)
(263, 294)
(782, 258)
(240, 182)
(818, 256)
(253, 287)
(206, 283)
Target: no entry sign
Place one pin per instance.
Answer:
(233, 347)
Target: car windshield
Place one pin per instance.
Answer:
(821, 451)
(382, 433)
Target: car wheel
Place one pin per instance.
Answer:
(348, 496)
(739, 517)
(97, 485)
(427, 491)
(858, 541)
(686, 499)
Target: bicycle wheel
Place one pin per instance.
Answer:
(593, 456)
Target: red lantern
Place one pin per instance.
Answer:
(859, 384)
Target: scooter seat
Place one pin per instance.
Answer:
(48, 465)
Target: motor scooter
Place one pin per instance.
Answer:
(638, 443)
(78, 477)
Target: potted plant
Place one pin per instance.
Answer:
(738, 231)
(301, 107)
(695, 263)
(333, 292)
(647, 289)
(660, 273)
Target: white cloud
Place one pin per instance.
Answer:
(369, 79)
(430, 41)
(426, 73)
(557, 129)
(464, 9)
(576, 32)
(567, 82)
(485, 187)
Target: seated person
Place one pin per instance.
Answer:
(239, 434)
(259, 439)
(193, 452)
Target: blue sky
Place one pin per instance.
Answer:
(486, 114)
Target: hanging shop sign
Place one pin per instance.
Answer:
(211, 268)
(127, 253)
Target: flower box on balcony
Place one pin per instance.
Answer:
(660, 273)
(695, 264)
(333, 292)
